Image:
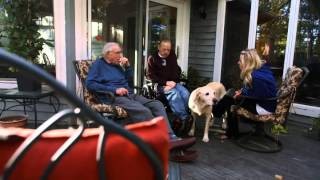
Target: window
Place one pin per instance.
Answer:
(307, 52)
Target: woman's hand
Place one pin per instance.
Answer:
(237, 94)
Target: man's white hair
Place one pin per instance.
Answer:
(108, 47)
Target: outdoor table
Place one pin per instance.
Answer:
(30, 99)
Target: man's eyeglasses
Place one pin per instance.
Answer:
(117, 52)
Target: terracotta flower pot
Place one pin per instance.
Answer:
(13, 121)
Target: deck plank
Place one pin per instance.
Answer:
(299, 159)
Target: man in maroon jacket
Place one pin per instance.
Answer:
(164, 70)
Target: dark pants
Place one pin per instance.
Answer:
(224, 106)
(140, 108)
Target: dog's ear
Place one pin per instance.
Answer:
(222, 91)
(198, 94)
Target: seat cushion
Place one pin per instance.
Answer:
(123, 160)
(239, 111)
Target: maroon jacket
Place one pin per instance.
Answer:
(161, 70)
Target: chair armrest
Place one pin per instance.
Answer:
(241, 97)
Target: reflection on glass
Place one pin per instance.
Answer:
(235, 40)
(47, 56)
(272, 33)
(114, 21)
(162, 25)
(307, 52)
(44, 16)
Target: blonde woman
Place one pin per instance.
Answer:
(258, 82)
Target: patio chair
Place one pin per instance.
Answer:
(94, 153)
(259, 140)
(90, 98)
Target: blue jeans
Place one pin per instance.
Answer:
(178, 98)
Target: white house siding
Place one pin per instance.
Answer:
(202, 38)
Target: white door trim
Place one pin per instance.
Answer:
(60, 40)
(253, 23)
(81, 29)
(291, 35)
(221, 16)
(306, 110)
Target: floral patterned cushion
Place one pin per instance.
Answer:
(83, 67)
(286, 95)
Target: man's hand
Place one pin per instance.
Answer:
(124, 62)
(169, 85)
(166, 88)
(121, 92)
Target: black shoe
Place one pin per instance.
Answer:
(177, 126)
(230, 93)
(186, 155)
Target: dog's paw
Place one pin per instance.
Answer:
(191, 133)
(205, 139)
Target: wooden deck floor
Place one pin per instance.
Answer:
(299, 159)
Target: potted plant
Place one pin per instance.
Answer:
(13, 121)
(20, 34)
(278, 129)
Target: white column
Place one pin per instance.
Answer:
(291, 37)
(219, 40)
(89, 29)
(253, 23)
(81, 29)
(185, 31)
(60, 40)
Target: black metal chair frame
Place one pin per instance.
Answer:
(83, 112)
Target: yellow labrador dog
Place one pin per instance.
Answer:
(200, 104)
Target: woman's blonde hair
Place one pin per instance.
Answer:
(250, 61)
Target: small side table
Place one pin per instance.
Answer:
(28, 99)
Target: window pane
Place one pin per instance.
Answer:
(272, 32)
(235, 40)
(162, 25)
(307, 52)
(115, 21)
(42, 11)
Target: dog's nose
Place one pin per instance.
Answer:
(214, 101)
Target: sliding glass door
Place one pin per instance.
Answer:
(117, 21)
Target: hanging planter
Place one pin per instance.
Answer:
(13, 121)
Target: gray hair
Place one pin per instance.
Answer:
(108, 47)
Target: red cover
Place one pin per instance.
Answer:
(123, 160)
